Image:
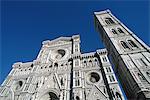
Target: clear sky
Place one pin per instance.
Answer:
(24, 25)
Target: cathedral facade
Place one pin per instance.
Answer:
(62, 72)
(130, 55)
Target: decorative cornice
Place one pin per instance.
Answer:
(17, 65)
(61, 41)
(88, 55)
(101, 51)
(20, 64)
(102, 12)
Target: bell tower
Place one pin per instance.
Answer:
(130, 55)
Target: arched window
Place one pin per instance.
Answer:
(76, 63)
(85, 63)
(95, 60)
(76, 73)
(108, 69)
(114, 31)
(109, 21)
(111, 78)
(120, 30)
(61, 81)
(112, 93)
(90, 63)
(37, 85)
(132, 43)
(104, 59)
(77, 98)
(31, 65)
(77, 82)
(118, 95)
(124, 45)
(55, 65)
(76, 48)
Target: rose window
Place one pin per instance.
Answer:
(94, 77)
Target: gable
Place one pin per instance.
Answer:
(58, 41)
(97, 94)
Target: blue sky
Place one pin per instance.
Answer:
(24, 25)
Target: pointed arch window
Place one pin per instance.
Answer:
(141, 60)
(95, 62)
(124, 44)
(112, 93)
(85, 63)
(104, 59)
(76, 48)
(120, 30)
(114, 31)
(90, 63)
(132, 43)
(109, 21)
(108, 69)
(111, 78)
